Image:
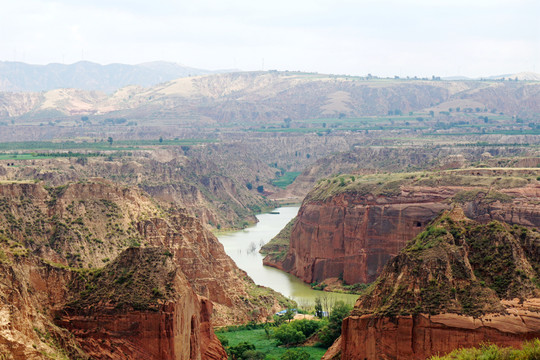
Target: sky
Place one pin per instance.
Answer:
(381, 37)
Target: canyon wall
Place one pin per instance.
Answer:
(154, 314)
(457, 284)
(350, 231)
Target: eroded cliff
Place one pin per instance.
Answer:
(75, 230)
(457, 284)
(141, 306)
(350, 226)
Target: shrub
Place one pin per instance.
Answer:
(287, 335)
(237, 351)
(295, 354)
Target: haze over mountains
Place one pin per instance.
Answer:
(86, 75)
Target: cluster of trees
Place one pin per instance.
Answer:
(293, 333)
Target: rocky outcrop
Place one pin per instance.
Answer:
(141, 307)
(422, 336)
(350, 226)
(29, 290)
(457, 284)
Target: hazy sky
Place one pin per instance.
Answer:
(381, 37)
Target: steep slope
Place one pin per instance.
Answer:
(86, 225)
(457, 284)
(29, 290)
(141, 306)
(349, 226)
(216, 194)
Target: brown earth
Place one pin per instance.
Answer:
(422, 336)
(174, 325)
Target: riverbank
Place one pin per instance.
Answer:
(243, 247)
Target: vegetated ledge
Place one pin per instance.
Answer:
(279, 245)
(458, 283)
(138, 279)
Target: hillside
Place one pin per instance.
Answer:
(215, 193)
(263, 97)
(457, 284)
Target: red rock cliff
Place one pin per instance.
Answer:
(457, 284)
(142, 307)
(351, 231)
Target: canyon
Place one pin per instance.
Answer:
(63, 244)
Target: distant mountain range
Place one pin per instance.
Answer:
(85, 75)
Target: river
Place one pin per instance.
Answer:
(243, 247)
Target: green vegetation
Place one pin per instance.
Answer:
(286, 179)
(260, 340)
(296, 332)
(332, 330)
(98, 145)
(273, 339)
(529, 351)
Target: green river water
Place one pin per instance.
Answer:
(243, 247)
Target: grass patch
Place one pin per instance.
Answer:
(262, 342)
(530, 350)
(286, 179)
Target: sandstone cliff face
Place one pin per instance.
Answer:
(141, 307)
(422, 336)
(457, 284)
(351, 231)
(29, 290)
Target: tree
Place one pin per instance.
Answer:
(332, 331)
(295, 354)
(238, 351)
(287, 122)
(249, 186)
(287, 335)
(318, 307)
(431, 113)
(289, 315)
(260, 189)
(110, 140)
